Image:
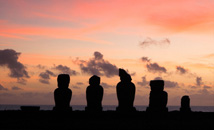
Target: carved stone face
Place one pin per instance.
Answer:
(124, 76)
(63, 80)
(157, 85)
(185, 101)
(94, 80)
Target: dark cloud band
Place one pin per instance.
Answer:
(98, 66)
(9, 58)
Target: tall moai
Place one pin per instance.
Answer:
(158, 97)
(185, 104)
(125, 92)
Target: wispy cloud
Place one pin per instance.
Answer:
(14, 36)
(3, 88)
(45, 76)
(107, 86)
(103, 15)
(168, 83)
(145, 59)
(181, 70)
(209, 56)
(149, 41)
(40, 66)
(97, 66)
(153, 67)
(199, 81)
(79, 83)
(143, 82)
(75, 87)
(16, 88)
(65, 70)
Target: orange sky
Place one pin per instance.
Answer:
(48, 34)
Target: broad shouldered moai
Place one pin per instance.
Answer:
(62, 95)
(94, 94)
(125, 92)
(158, 97)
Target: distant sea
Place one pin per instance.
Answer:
(109, 108)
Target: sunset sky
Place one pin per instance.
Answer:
(171, 40)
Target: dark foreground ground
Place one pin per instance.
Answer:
(108, 120)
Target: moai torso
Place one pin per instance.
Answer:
(94, 96)
(62, 97)
(125, 94)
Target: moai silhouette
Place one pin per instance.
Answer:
(94, 94)
(125, 92)
(62, 95)
(185, 104)
(158, 98)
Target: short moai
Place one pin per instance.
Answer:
(94, 94)
(158, 97)
(185, 104)
(62, 95)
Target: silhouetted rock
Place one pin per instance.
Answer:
(62, 95)
(30, 108)
(106, 120)
(158, 98)
(94, 94)
(185, 104)
(125, 92)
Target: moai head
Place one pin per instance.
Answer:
(185, 102)
(124, 76)
(157, 85)
(94, 80)
(63, 80)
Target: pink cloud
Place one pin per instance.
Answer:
(13, 36)
(22, 32)
(105, 15)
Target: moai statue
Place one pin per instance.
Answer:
(94, 94)
(62, 95)
(185, 104)
(158, 97)
(125, 92)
